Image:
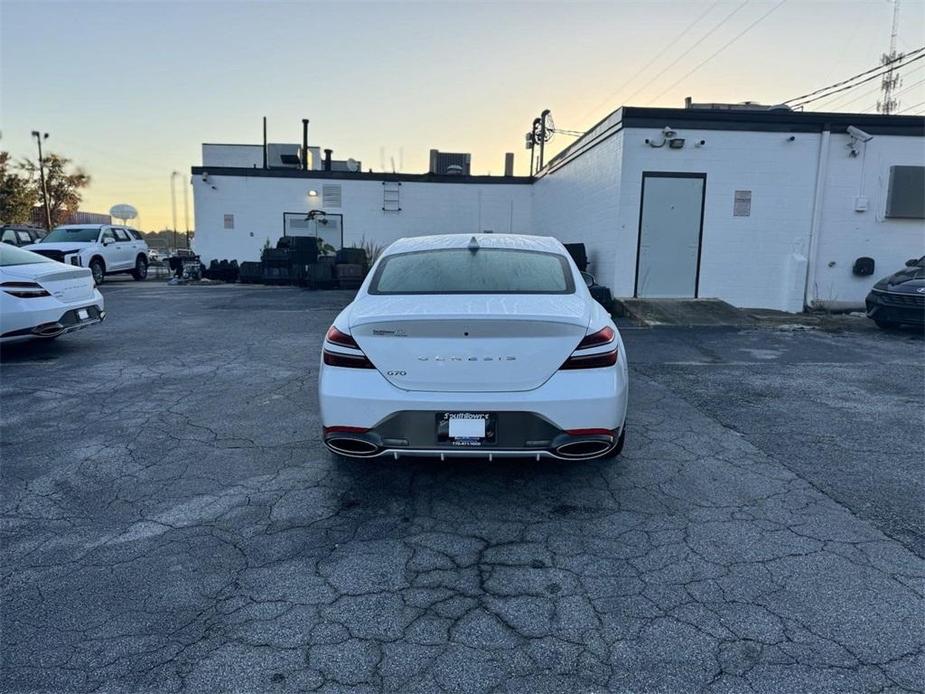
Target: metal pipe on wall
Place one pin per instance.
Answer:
(822, 167)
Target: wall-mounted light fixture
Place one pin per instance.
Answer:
(668, 135)
(313, 193)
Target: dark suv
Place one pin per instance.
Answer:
(20, 234)
(899, 298)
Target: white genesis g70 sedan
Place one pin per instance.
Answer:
(482, 346)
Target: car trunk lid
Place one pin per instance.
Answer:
(469, 343)
(65, 283)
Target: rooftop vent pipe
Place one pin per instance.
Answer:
(305, 144)
(327, 159)
(264, 142)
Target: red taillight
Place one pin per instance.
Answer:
(24, 290)
(346, 360)
(590, 361)
(601, 337)
(344, 430)
(338, 338)
(589, 432)
(604, 336)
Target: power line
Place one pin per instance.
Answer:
(909, 108)
(911, 86)
(851, 79)
(720, 50)
(887, 68)
(840, 101)
(667, 47)
(685, 53)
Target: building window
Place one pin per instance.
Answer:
(905, 199)
(229, 221)
(330, 196)
(391, 196)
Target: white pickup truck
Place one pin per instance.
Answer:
(103, 248)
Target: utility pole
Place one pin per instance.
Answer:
(891, 79)
(186, 209)
(173, 206)
(38, 138)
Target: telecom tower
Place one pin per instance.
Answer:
(891, 79)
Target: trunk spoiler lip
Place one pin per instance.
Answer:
(578, 321)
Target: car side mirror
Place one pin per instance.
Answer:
(912, 262)
(588, 278)
(108, 241)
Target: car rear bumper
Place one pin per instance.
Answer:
(894, 307)
(54, 322)
(360, 404)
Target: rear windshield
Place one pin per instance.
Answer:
(79, 234)
(12, 255)
(461, 271)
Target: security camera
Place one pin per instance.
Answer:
(859, 134)
(205, 176)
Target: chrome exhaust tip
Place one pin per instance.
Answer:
(352, 446)
(48, 330)
(582, 447)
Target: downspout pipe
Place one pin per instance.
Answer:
(822, 167)
(264, 142)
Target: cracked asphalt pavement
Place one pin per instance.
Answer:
(172, 522)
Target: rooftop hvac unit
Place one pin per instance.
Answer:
(450, 163)
(283, 156)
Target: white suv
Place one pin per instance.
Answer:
(103, 248)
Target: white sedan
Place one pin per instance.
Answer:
(485, 346)
(42, 298)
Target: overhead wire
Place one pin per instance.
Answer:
(909, 108)
(719, 50)
(854, 77)
(889, 66)
(667, 47)
(847, 99)
(685, 53)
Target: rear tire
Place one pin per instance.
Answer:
(886, 324)
(141, 269)
(99, 271)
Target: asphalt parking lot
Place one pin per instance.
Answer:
(172, 522)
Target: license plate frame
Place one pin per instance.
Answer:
(466, 426)
(83, 314)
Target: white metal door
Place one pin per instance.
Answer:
(669, 235)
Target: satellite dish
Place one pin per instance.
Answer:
(550, 126)
(353, 165)
(123, 211)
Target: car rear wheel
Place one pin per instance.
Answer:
(141, 268)
(98, 270)
(886, 324)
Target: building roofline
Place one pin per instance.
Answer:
(357, 175)
(732, 119)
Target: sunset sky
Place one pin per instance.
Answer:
(130, 90)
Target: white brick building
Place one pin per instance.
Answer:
(759, 208)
